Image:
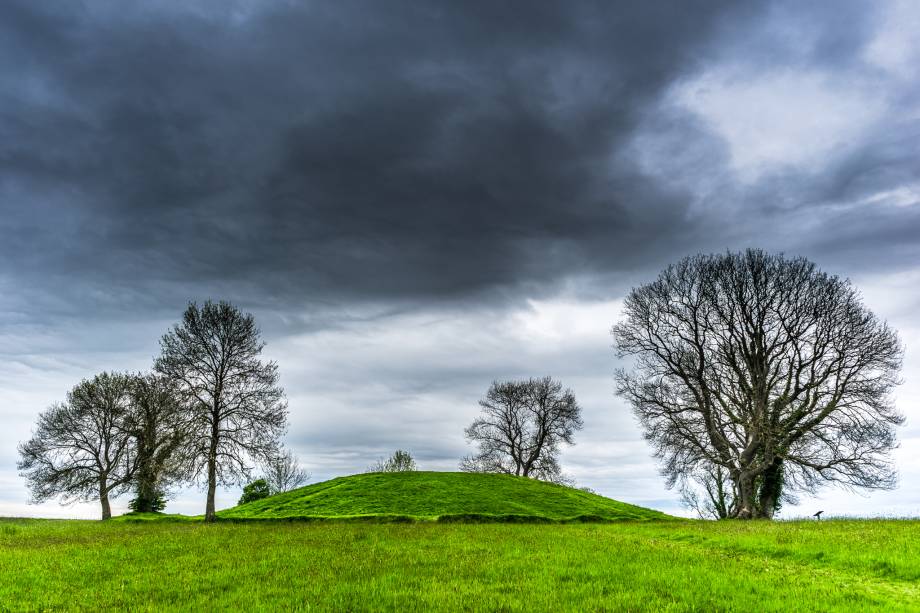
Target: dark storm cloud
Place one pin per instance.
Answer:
(853, 206)
(341, 150)
(416, 198)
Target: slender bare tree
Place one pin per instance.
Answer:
(283, 472)
(158, 423)
(82, 448)
(522, 425)
(757, 376)
(237, 410)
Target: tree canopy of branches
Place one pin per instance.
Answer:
(82, 449)
(400, 462)
(520, 430)
(237, 409)
(158, 425)
(283, 472)
(757, 376)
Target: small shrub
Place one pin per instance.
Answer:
(400, 462)
(257, 490)
(156, 505)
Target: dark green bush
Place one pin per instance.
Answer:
(155, 505)
(257, 490)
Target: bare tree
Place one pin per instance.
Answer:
(400, 462)
(283, 472)
(158, 423)
(522, 425)
(757, 376)
(237, 410)
(709, 491)
(81, 449)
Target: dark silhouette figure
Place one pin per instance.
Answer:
(818, 515)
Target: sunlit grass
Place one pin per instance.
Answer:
(657, 565)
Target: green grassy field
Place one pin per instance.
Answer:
(443, 496)
(653, 565)
(455, 541)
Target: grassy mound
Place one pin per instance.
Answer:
(439, 496)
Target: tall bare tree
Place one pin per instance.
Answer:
(283, 472)
(158, 423)
(757, 376)
(522, 425)
(237, 410)
(81, 449)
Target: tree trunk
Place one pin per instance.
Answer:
(209, 512)
(144, 500)
(746, 495)
(771, 489)
(104, 500)
(717, 495)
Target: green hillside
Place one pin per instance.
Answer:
(439, 496)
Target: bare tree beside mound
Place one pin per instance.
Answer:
(237, 409)
(756, 376)
(521, 428)
(82, 449)
(283, 472)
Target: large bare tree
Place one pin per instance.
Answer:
(82, 449)
(237, 408)
(522, 426)
(158, 424)
(758, 375)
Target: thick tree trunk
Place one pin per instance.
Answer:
(209, 513)
(144, 501)
(746, 503)
(145, 495)
(771, 489)
(104, 500)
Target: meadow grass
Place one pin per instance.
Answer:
(674, 565)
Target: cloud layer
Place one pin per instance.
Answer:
(415, 199)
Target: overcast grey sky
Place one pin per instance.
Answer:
(416, 198)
